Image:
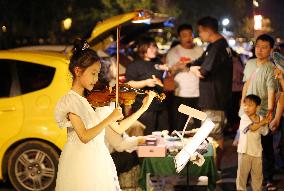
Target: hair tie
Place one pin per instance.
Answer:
(85, 46)
(81, 45)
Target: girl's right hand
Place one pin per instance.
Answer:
(116, 114)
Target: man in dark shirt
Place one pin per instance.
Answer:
(215, 70)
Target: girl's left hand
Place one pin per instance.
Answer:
(148, 99)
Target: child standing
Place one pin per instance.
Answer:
(252, 126)
(85, 162)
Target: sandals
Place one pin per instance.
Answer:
(270, 186)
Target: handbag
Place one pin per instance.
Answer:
(169, 83)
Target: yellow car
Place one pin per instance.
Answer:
(31, 82)
(30, 140)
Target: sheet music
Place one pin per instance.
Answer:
(182, 158)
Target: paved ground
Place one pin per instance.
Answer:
(228, 175)
(229, 169)
(6, 187)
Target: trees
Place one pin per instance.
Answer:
(31, 19)
(27, 21)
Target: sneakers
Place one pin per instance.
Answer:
(270, 186)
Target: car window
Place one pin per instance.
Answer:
(33, 77)
(5, 78)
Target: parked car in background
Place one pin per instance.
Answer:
(30, 140)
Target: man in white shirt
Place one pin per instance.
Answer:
(186, 83)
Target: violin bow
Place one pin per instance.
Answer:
(117, 66)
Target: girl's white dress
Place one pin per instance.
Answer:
(83, 167)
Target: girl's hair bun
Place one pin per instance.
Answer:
(80, 45)
(83, 56)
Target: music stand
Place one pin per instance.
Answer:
(182, 158)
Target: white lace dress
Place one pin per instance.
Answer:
(83, 167)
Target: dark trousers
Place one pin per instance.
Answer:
(124, 161)
(268, 157)
(180, 118)
(155, 121)
(281, 141)
(232, 112)
(171, 110)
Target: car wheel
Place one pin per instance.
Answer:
(33, 166)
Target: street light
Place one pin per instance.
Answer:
(255, 3)
(4, 28)
(67, 23)
(257, 22)
(225, 22)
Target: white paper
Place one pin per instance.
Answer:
(190, 148)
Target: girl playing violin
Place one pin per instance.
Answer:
(85, 162)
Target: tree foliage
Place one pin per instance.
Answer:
(42, 19)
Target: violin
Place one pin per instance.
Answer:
(126, 95)
(121, 94)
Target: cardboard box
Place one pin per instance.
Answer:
(152, 151)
